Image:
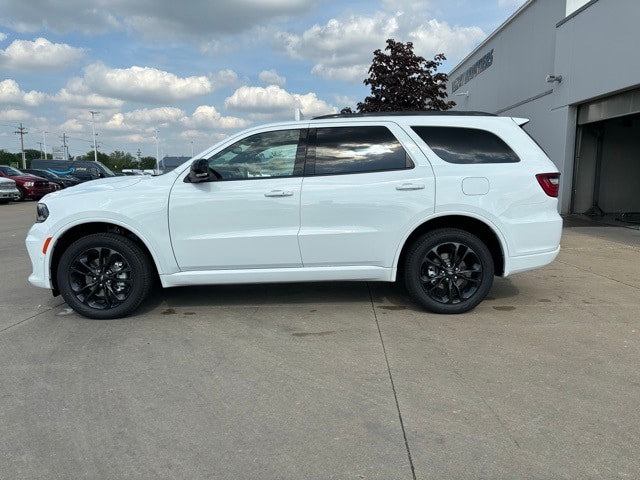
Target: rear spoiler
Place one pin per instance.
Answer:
(520, 121)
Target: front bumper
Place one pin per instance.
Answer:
(10, 194)
(39, 261)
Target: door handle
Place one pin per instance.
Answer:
(410, 186)
(279, 193)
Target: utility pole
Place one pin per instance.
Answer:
(65, 149)
(40, 143)
(22, 132)
(93, 128)
(138, 153)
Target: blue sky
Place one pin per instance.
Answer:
(197, 71)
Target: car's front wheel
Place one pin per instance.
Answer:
(448, 271)
(104, 276)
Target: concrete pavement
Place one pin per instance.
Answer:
(336, 380)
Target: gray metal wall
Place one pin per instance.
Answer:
(597, 51)
(594, 50)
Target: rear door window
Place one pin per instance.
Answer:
(358, 149)
(466, 145)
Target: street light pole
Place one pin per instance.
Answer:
(93, 128)
(157, 153)
(44, 141)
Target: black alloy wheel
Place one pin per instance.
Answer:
(104, 276)
(449, 271)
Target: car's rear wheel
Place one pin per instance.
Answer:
(448, 271)
(104, 276)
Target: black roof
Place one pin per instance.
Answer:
(451, 113)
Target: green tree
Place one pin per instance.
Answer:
(400, 80)
(119, 160)
(147, 163)
(7, 158)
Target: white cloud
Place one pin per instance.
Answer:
(39, 54)
(223, 79)
(14, 115)
(10, 94)
(273, 102)
(144, 84)
(454, 42)
(3, 37)
(206, 118)
(153, 18)
(76, 94)
(271, 77)
(146, 119)
(342, 49)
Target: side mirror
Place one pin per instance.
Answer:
(199, 171)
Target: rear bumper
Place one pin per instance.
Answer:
(529, 262)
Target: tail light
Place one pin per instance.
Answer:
(549, 183)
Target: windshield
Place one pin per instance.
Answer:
(10, 171)
(109, 172)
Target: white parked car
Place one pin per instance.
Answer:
(8, 190)
(446, 200)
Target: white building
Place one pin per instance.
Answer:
(572, 67)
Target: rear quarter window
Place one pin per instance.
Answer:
(466, 145)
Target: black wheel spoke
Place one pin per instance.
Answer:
(451, 272)
(77, 270)
(475, 281)
(86, 298)
(458, 292)
(108, 296)
(433, 286)
(94, 273)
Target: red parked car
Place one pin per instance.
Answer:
(28, 185)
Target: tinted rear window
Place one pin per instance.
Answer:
(357, 150)
(466, 145)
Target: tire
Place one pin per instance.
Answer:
(104, 276)
(448, 271)
(22, 195)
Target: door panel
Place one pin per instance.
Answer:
(356, 216)
(233, 225)
(250, 216)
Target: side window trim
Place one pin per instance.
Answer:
(301, 153)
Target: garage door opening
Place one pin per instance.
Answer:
(607, 168)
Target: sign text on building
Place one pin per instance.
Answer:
(473, 71)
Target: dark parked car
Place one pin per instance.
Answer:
(63, 181)
(28, 185)
(83, 170)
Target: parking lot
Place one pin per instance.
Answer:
(328, 381)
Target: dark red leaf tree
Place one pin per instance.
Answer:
(400, 80)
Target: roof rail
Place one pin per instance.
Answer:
(455, 113)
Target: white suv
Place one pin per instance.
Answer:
(445, 200)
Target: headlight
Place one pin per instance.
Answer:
(42, 212)
(28, 184)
